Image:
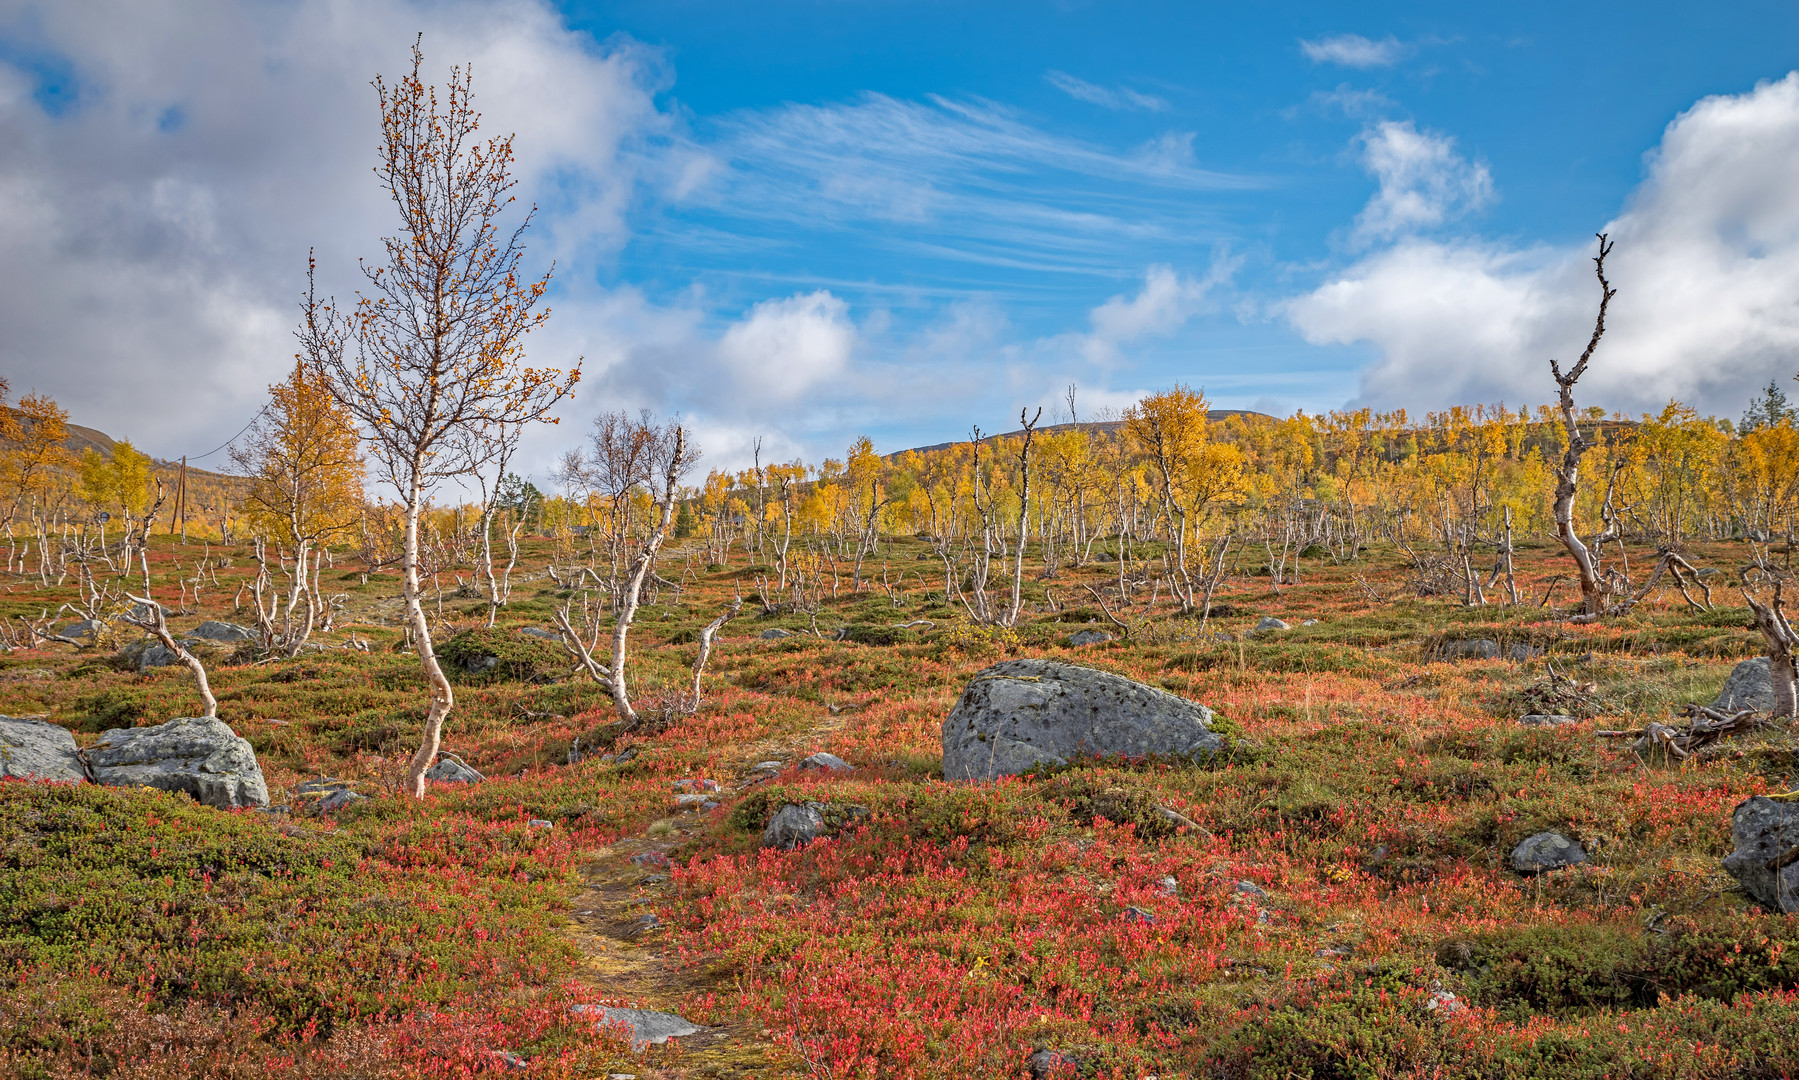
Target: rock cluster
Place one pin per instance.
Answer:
(199, 755)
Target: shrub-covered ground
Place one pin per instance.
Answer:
(1348, 873)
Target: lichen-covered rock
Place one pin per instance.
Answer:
(1766, 831)
(1546, 851)
(1020, 714)
(1270, 623)
(32, 749)
(1749, 687)
(213, 630)
(774, 633)
(827, 763)
(1088, 637)
(199, 755)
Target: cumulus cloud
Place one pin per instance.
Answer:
(1121, 98)
(784, 348)
(1706, 267)
(159, 196)
(1423, 181)
(1164, 304)
(1353, 50)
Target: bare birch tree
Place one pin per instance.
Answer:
(436, 349)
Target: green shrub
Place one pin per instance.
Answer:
(521, 656)
(113, 707)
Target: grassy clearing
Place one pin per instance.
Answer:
(1351, 862)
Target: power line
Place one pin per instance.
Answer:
(228, 442)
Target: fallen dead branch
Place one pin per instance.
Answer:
(1705, 727)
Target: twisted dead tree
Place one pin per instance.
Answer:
(1567, 481)
(155, 623)
(1777, 630)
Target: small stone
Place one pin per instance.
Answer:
(710, 805)
(1250, 888)
(539, 823)
(772, 766)
(794, 827)
(827, 762)
(1137, 914)
(1168, 886)
(451, 771)
(650, 858)
(774, 633)
(1268, 623)
(1049, 1063)
(339, 799)
(696, 785)
(647, 1028)
(540, 632)
(691, 799)
(1442, 1001)
(1546, 851)
(1088, 637)
(1546, 720)
(480, 663)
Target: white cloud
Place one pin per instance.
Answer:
(1353, 50)
(1423, 181)
(1121, 98)
(156, 230)
(1165, 303)
(784, 348)
(1706, 267)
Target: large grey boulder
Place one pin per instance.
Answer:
(1082, 638)
(199, 755)
(1546, 851)
(33, 749)
(214, 630)
(84, 628)
(1749, 687)
(1270, 623)
(1766, 832)
(1023, 713)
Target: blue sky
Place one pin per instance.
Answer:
(810, 221)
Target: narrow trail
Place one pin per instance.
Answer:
(625, 954)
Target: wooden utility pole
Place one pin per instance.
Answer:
(181, 500)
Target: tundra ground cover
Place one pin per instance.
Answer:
(1348, 871)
